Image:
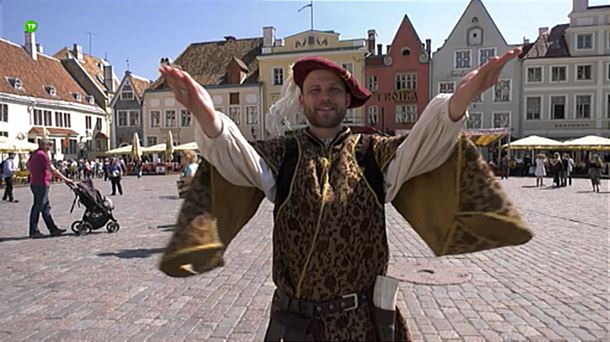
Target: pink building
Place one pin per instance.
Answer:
(398, 79)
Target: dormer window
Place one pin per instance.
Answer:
(15, 82)
(127, 92)
(90, 99)
(51, 90)
(76, 96)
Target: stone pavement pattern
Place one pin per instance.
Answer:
(106, 287)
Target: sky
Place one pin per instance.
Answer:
(143, 31)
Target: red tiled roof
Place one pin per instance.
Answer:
(207, 62)
(53, 131)
(15, 61)
(139, 84)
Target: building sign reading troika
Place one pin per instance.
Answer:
(398, 96)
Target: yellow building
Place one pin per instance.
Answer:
(278, 54)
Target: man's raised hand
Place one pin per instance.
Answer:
(473, 84)
(194, 97)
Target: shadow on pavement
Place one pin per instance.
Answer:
(171, 197)
(19, 238)
(166, 227)
(530, 186)
(134, 253)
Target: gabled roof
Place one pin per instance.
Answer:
(93, 66)
(549, 44)
(139, 85)
(471, 4)
(406, 22)
(207, 62)
(35, 75)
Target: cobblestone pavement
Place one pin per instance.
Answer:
(106, 287)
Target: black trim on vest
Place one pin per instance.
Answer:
(286, 173)
(365, 157)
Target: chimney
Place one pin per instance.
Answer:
(109, 78)
(542, 30)
(387, 49)
(30, 45)
(580, 5)
(78, 52)
(429, 47)
(229, 38)
(39, 48)
(371, 41)
(525, 41)
(379, 49)
(268, 36)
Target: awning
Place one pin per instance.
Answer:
(58, 132)
(534, 142)
(486, 137)
(188, 146)
(154, 148)
(590, 142)
(119, 150)
(14, 145)
(100, 135)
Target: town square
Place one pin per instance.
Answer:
(274, 171)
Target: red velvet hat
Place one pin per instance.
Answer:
(304, 65)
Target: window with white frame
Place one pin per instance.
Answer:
(608, 106)
(406, 81)
(155, 118)
(372, 83)
(533, 107)
(127, 92)
(48, 119)
(38, 117)
(583, 106)
(59, 119)
(584, 41)
(251, 115)
(406, 113)
(348, 119)
(559, 73)
(502, 91)
(4, 134)
(67, 120)
(88, 122)
(583, 72)
(219, 109)
(235, 114)
(185, 118)
(534, 74)
(501, 120)
(134, 118)
(278, 76)
(373, 114)
(98, 124)
(170, 118)
(462, 59)
(558, 107)
(151, 140)
(485, 55)
(122, 122)
(474, 121)
(446, 87)
(3, 112)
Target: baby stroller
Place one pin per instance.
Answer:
(98, 209)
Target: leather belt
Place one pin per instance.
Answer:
(309, 308)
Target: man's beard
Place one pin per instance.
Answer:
(326, 121)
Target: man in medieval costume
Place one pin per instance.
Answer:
(329, 187)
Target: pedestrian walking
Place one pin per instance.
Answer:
(329, 187)
(595, 171)
(115, 171)
(8, 171)
(41, 173)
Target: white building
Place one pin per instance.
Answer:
(36, 92)
(566, 76)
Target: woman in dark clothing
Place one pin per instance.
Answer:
(114, 172)
(595, 172)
